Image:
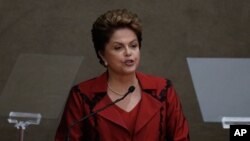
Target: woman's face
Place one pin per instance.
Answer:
(122, 52)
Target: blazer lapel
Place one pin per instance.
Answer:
(148, 109)
(110, 113)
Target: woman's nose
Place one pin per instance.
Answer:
(128, 51)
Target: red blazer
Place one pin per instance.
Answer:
(160, 116)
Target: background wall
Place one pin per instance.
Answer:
(173, 30)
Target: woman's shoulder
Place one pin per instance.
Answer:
(87, 82)
(95, 84)
(153, 79)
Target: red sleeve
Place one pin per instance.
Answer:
(177, 126)
(73, 111)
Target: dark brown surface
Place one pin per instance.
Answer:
(173, 30)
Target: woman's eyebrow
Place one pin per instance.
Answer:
(118, 43)
(134, 40)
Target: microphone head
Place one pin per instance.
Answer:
(131, 89)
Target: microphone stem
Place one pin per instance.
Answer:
(95, 112)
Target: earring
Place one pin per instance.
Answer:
(105, 64)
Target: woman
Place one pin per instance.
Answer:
(152, 112)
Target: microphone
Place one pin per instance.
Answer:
(130, 90)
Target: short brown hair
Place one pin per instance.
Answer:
(106, 24)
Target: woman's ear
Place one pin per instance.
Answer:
(101, 54)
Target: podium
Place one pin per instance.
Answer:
(227, 121)
(222, 87)
(38, 84)
(23, 120)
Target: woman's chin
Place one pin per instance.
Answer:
(124, 70)
(129, 70)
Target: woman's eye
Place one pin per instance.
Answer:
(134, 45)
(117, 47)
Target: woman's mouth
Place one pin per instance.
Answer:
(129, 62)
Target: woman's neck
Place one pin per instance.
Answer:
(121, 83)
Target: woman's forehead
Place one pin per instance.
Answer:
(123, 36)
